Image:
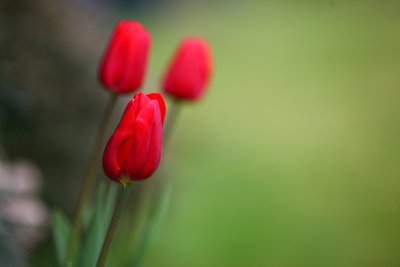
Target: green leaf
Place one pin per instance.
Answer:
(87, 215)
(97, 227)
(61, 229)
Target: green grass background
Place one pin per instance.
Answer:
(292, 158)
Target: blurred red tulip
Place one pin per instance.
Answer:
(189, 70)
(134, 150)
(124, 63)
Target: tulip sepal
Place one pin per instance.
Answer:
(124, 181)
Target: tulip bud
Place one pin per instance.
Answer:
(134, 150)
(189, 70)
(124, 63)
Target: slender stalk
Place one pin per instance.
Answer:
(159, 198)
(88, 180)
(123, 195)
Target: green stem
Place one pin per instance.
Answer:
(123, 195)
(88, 180)
(159, 199)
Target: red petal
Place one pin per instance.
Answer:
(113, 156)
(142, 137)
(140, 101)
(134, 150)
(124, 63)
(161, 103)
(135, 54)
(112, 61)
(155, 150)
(189, 71)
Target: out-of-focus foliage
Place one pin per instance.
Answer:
(61, 230)
(290, 160)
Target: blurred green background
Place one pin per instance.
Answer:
(292, 158)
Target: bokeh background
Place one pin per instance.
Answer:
(291, 159)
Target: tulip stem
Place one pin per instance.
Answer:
(123, 196)
(159, 199)
(88, 180)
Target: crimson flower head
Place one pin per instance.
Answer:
(189, 71)
(134, 150)
(124, 62)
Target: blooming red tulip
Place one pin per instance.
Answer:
(124, 63)
(134, 150)
(189, 70)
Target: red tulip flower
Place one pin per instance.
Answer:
(189, 71)
(134, 150)
(124, 63)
